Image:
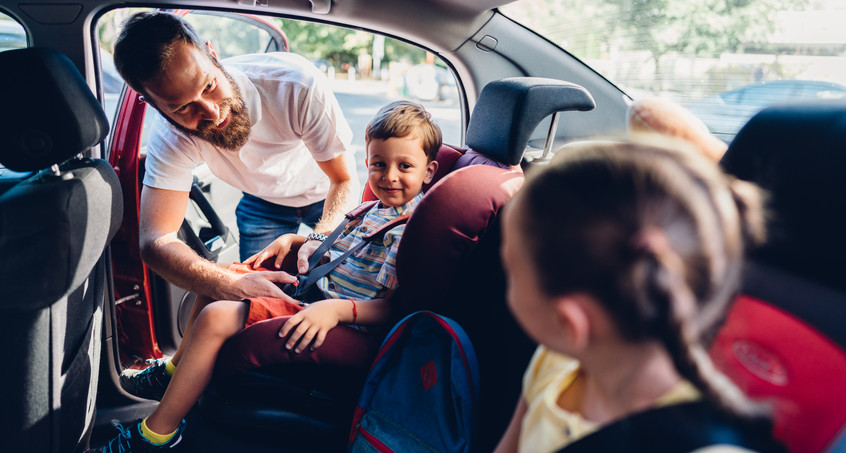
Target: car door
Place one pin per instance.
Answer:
(151, 313)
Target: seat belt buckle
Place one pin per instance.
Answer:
(296, 291)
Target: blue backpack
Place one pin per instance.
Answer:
(422, 392)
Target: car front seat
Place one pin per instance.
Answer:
(784, 341)
(58, 212)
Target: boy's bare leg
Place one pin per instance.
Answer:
(212, 327)
(200, 303)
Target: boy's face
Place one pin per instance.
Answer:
(397, 168)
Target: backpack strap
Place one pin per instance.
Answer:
(678, 428)
(315, 272)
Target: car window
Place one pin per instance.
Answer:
(367, 70)
(717, 58)
(12, 36)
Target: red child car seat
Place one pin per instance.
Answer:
(783, 341)
(448, 262)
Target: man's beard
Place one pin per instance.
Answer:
(233, 135)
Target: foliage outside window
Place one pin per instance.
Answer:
(695, 50)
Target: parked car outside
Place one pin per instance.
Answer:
(727, 112)
(428, 82)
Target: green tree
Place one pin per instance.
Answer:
(340, 46)
(698, 28)
(692, 27)
(702, 27)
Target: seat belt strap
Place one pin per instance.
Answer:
(316, 273)
(679, 428)
(333, 236)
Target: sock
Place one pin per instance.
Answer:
(170, 368)
(153, 437)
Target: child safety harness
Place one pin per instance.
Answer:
(304, 290)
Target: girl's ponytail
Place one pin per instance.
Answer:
(673, 301)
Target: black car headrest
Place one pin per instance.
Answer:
(49, 113)
(797, 153)
(509, 110)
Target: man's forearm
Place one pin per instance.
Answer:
(340, 200)
(180, 265)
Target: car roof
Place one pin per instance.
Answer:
(409, 19)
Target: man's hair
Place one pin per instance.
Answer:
(146, 42)
(403, 118)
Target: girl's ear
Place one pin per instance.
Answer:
(572, 315)
(430, 171)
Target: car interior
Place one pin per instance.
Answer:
(450, 249)
(80, 306)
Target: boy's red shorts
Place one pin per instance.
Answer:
(262, 308)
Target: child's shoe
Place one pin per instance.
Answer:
(130, 440)
(149, 383)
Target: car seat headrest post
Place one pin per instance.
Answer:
(550, 137)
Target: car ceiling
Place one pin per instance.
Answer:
(411, 19)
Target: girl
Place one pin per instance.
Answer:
(620, 258)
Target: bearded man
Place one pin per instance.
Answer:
(268, 124)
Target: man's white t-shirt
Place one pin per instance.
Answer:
(296, 123)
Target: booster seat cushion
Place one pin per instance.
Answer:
(449, 221)
(783, 340)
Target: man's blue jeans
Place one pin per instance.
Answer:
(260, 222)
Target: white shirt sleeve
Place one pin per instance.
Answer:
(324, 129)
(171, 157)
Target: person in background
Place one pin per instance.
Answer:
(662, 116)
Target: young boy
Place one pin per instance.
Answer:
(402, 144)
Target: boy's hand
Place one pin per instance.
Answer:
(304, 254)
(310, 326)
(278, 248)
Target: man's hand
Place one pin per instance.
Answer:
(280, 248)
(303, 255)
(263, 284)
(310, 326)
